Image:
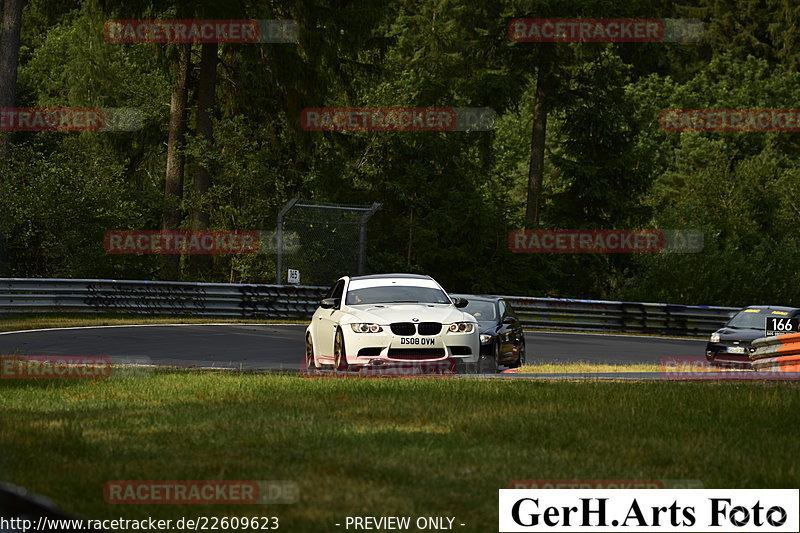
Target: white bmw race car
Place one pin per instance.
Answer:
(390, 320)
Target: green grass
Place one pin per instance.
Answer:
(19, 322)
(385, 446)
(583, 368)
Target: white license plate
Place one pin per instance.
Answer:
(735, 349)
(416, 341)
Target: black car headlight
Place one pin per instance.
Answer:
(715, 337)
(486, 339)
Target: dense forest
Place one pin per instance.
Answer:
(577, 142)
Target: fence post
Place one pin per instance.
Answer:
(362, 237)
(279, 259)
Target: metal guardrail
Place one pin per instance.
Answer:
(776, 346)
(624, 317)
(777, 356)
(18, 295)
(225, 300)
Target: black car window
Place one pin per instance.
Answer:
(749, 319)
(337, 290)
(482, 310)
(509, 310)
(502, 305)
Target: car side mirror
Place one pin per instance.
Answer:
(460, 302)
(509, 320)
(329, 303)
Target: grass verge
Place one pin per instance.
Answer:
(582, 368)
(408, 447)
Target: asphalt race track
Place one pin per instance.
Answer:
(252, 347)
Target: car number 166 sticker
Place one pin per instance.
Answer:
(780, 326)
(416, 340)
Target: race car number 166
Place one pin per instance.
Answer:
(780, 326)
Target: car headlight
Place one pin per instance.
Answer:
(715, 337)
(486, 339)
(361, 327)
(461, 327)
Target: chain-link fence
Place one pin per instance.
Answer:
(318, 243)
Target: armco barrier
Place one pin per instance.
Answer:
(779, 353)
(626, 317)
(157, 298)
(23, 295)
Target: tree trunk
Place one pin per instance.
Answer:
(536, 169)
(205, 132)
(173, 188)
(9, 59)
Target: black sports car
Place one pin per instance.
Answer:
(734, 342)
(502, 338)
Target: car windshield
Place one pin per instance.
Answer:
(749, 318)
(481, 310)
(396, 294)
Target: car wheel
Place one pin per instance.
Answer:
(339, 353)
(311, 363)
(487, 364)
(521, 360)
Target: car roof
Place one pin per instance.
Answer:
(395, 275)
(774, 308)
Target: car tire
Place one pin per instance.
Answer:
(339, 352)
(460, 367)
(311, 360)
(487, 363)
(521, 357)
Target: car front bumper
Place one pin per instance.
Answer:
(723, 352)
(386, 349)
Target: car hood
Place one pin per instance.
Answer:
(390, 313)
(742, 335)
(487, 327)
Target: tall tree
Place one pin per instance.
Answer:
(173, 188)
(536, 167)
(206, 87)
(9, 59)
